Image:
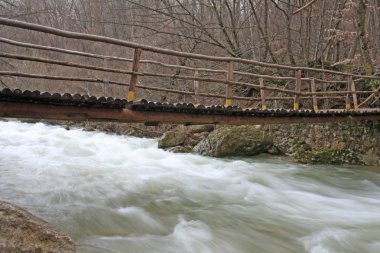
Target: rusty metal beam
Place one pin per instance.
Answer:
(42, 111)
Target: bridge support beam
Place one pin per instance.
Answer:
(43, 111)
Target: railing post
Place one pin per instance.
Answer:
(230, 78)
(351, 83)
(348, 99)
(297, 89)
(313, 89)
(196, 90)
(105, 77)
(262, 94)
(134, 76)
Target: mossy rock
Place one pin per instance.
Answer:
(172, 139)
(326, 156)
(234, 141)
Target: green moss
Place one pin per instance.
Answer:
(326, 156)
(296, 142)
(372, 84)
(345, 67)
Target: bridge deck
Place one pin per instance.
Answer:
(266, 80)
(27, 104)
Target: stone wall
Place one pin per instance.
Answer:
(339, 143)
(329, 143)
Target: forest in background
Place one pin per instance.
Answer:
(341, 35)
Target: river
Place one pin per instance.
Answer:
(122, 194)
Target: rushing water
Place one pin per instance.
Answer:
(123, 194)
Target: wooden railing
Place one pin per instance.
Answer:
(294, 95)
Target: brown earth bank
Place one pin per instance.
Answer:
(22, 232)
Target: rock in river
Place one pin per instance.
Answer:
(235, 141)
(21, 232)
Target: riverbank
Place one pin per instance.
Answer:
(356, 143)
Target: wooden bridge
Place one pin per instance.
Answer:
(280, 94)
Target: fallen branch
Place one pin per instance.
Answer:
(304, 7)
(370, 97)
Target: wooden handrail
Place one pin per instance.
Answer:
(61, 78)
(7, 73)
(63, 63)
(95, 80)
(215, 80)
(98, 56)
(339, 92)
(54, 49)
(104, 39)
(91, 67)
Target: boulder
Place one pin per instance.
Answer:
(274, 150)
(185, 137)
(172, 139)
(234, 141)
(194, 129)
(21, 232)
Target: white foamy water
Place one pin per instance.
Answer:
(123, 194)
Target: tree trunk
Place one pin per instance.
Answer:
(363, 36)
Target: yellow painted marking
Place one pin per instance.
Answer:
(228, 101)
(315, 107)
(264, 107)
(131, 96)
(356, 107)
(296, 106)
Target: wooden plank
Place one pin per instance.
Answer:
(298, 90)
(262, 95)
(133, 82)
(314, 97)
(230, 78)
